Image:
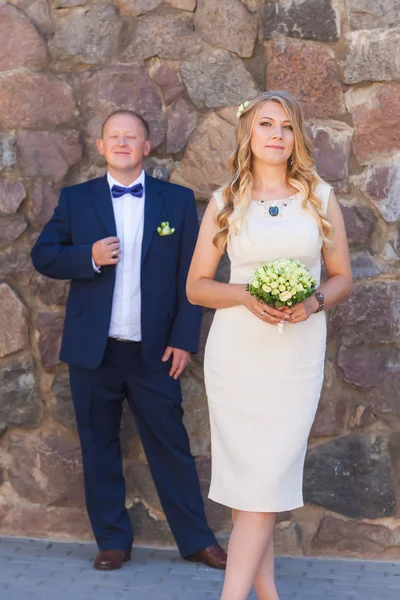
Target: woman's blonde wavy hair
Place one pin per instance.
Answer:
(301, 175)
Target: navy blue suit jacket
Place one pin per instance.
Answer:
(64, 251)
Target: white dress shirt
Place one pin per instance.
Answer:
(129, 220)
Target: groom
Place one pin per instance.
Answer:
(125, 241)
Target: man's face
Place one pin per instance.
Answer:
(124, 142)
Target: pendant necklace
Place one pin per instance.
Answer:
(273, 208)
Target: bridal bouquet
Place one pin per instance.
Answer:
(282, 282)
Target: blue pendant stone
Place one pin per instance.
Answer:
(273, 211)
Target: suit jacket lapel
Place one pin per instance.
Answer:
(154, 201)
(102, 202)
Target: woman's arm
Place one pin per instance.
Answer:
(337, 262)
(201, 287)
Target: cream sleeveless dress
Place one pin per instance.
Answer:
(263, 386)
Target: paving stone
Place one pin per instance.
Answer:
(44, 570)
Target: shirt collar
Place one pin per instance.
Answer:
(112, 181)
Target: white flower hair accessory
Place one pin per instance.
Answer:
(242, 107)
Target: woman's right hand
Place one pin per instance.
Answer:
(266, 313)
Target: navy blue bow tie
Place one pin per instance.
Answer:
(136, 190)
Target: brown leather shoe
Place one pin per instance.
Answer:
(213, 556)
(109, 560)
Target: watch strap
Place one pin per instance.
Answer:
(320, 297)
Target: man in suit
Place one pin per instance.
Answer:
(125, 241)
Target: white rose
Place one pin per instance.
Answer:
(284, 296)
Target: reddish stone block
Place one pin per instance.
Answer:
(11, 227)
(370, 313)
(331, 145)
(167, 78)
(12, 193)
(227, 24)
(310, 72)
(342, 537)
(181, 124)
(46, 468)
(376, 114)
(381, 184)
(21, 45)
(43, 200)
(14, 333)
(34, 100)
(360, 222)
(50, 326)
(113, 88)
(48, 154)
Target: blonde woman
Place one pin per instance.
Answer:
(263, 386)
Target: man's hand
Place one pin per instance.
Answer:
(180, 359)
(106, 251)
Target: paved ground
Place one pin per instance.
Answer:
(37, 570)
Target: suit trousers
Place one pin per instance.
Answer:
(155, 400)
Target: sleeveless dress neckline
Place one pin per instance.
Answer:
(276, 201)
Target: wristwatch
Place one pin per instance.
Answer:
(320, 297)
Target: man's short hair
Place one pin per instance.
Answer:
(132, 113)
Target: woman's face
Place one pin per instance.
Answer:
(272, 138)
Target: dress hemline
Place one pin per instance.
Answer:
(257, 509)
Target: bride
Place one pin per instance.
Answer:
(263, 386)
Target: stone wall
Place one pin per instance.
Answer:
(65, 64)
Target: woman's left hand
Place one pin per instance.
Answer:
(302, 310)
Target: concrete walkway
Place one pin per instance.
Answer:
(42, 570)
